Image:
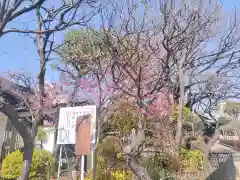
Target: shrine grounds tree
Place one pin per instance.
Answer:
(50, 18)
(146, 48)
(86, 71)
(161, 51)
(158, 49)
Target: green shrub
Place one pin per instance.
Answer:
(110, 174)
(121, 175)
(107, 149)
(104, 172)
(11, 166)
(124, 118)
(41, 164)
(166, 175)
(191, 160)
(111, 146)
(111, 150)
(162, 165)
(41, 134)
(186, 113)
(165, 161)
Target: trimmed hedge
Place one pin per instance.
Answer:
(41, 165)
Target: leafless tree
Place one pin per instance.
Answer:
(178, 38)
(186, 33)
(180, 104)
(155, 51)
(134, 68)
(24, 87)
(52, 20)
(11, 10)
(87, 67)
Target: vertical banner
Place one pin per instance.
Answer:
(68, 129)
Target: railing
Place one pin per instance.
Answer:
(224, 164)
(12, 140)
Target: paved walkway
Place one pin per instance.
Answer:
(236, 154)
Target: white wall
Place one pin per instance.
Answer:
(49, 143)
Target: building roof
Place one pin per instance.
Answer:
(9, 92)
(232, 125)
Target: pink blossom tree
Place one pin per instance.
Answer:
(132, 69)
(49, 20)
(140, 73)
(23, 87)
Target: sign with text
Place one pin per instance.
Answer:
(67, 123)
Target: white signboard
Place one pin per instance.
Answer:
(67, 123)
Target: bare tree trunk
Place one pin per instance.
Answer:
(140, 172)
(180, 106)
(137, 137)
(41, 145)
(23, 130)
(28, 150)
(55, 155)
(97, 136)
(210, 143)
(27, 160)
(28, 144)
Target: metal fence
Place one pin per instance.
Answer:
(224, 164)
(11, 140)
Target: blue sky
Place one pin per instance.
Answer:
(18, 51)
(230, 4)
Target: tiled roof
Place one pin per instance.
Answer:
(234, 124)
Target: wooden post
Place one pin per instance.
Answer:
(59, 162)
(82, 167)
